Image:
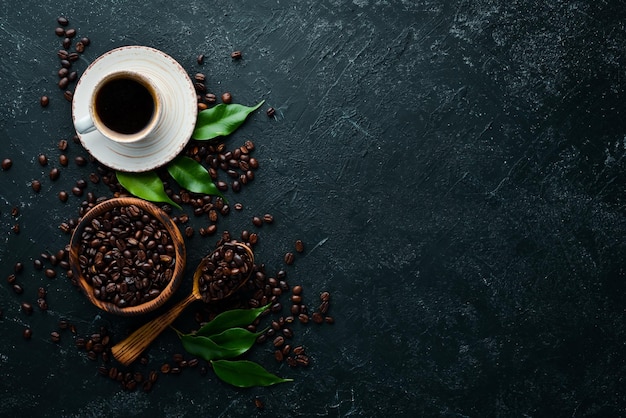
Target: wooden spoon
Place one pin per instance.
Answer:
(129, 349)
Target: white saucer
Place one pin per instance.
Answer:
(179, 109)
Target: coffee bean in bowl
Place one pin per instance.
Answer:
(128, 256)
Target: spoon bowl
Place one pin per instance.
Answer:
(218, 276)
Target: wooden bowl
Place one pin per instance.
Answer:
(86, 285)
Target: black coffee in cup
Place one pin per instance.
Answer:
(124, 105)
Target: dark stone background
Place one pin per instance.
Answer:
(455, 168)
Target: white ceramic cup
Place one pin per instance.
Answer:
(114, 107)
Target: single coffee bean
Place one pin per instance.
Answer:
(16, 229)
(73, 57)
(11, 279)
(271, 112)
(63, 21)
(63, 72)
(7, 163)
(44, 101)
(299, 246)
(202, 106)
(289, 258)
(297, 290)
(227, 98)
(72, 76)
(68, 95)
(278, 355)
(85, 41)
(200, 77)
(67, 43)
(27, 308)
(63, 83)
(18, 267)
(63, 196)
(50, 273)
(256, 221)
(27, 334)
(303, 318)
(317, 317)
(66, 64)
(59, 32)
(200, 87)
(63, 160)
(329, 320)
(55, 337)
(36, 186)
(279, 341)
(210, 98)
(63, 54)
(200, 59)
(54, 174)
(15, 211)
(63, 144)
(236, 55)
(324, 296)
(80, 47)
(80, 161)
(268, 218)
(70, 33)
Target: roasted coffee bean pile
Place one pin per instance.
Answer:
(224, 271)
(127, 255)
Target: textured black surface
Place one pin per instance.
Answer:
(456, 169)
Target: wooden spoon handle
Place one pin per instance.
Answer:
(129, 349)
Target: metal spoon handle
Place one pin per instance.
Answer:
(129, 349)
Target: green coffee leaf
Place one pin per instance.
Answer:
(236, 338)
(192, 176)
(221, 120)
(207, 349)
(145, 185)
(245, 374)
(230, 319)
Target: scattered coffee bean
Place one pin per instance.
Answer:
(27, 334)
(227, 98)
(7, 163)
(271, 112)
(63, 83)
(36, 186)
(200, 77)
(289, 258)
(68, 95)
(85, 41)
(80, 47)
(27, 308)
(210, 98)
(59, 32)
(63, 72)
(44, 101)
(70, 33)
(63, 21)
(63, 144)
(256, 221)
(299, 246)
(55, 337)
(325, 296)
(63, 160)
(54, 174)
(80, 161)
(200, 59)
(268, 218)
(236, 55)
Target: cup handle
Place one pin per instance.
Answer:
(84, 125)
